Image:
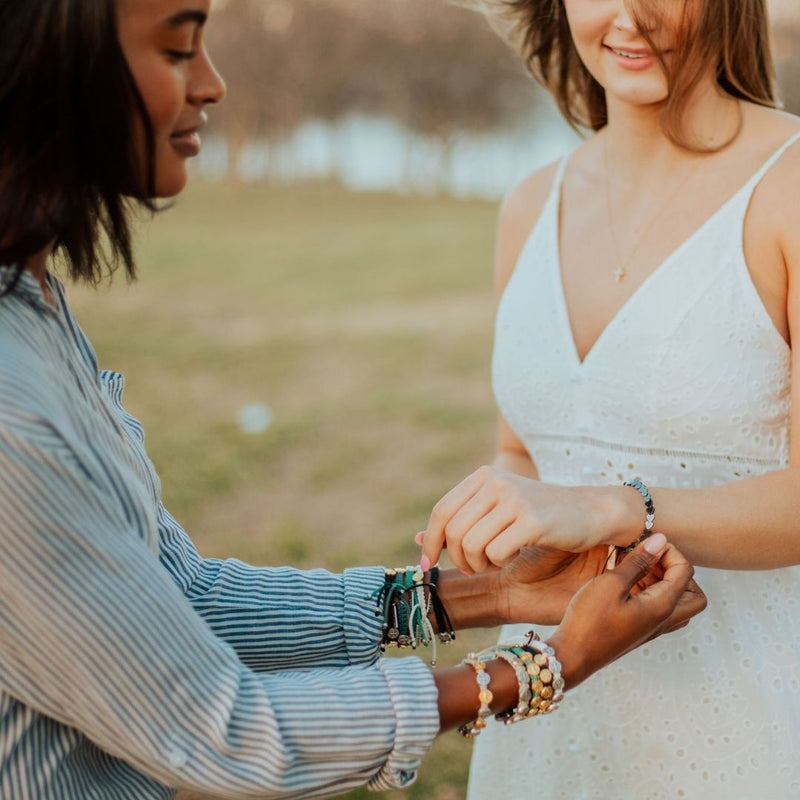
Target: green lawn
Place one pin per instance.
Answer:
(364, 322)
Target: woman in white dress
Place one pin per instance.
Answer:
(650, 289)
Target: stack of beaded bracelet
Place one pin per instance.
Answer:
(540, 685)
(406, 601)
(544, 669)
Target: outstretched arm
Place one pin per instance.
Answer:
(747, 524)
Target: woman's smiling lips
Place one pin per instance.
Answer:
(632, 58)
(187, 141)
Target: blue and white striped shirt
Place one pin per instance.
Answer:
(129, 666)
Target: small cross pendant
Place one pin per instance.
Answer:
(619, 274)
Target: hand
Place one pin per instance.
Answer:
(538, 585)
(491, 515)
(609, 617)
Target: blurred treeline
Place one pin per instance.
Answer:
(427, 64)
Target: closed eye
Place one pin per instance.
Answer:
(181, 55)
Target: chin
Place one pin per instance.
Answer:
(641, 94)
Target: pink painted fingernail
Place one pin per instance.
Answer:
(419, 537)
(466, 574)
(655, 543)
(425, 563)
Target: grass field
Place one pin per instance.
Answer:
(363, 323)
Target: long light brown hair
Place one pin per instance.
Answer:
(730, 36)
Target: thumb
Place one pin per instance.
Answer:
(638, 563)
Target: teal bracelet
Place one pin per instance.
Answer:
(650, 516)
(405, 602)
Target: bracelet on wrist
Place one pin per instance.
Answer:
(650, 512)
(406, 602)
(540, 688)
(485, 697)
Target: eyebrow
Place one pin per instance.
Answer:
(184, 17)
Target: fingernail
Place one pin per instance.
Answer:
(419, 537)
(466, 574)
(425, 563)
(655, 543)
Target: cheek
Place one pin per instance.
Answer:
(163, 102)
(159, 91)
(586, 26)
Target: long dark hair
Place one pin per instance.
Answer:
(72, 126)
(730, 35)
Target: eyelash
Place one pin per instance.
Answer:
(181, 55)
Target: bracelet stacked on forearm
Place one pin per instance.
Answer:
(540, 684)
(406, 602)
(547, 688)
(485, 697)
(650, 512)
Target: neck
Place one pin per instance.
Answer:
(37, 266)
(638, 145)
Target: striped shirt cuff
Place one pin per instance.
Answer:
(362, 628)
(414, 698)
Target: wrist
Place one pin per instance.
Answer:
(458, 692)
(477, 601)
(623, 513)
(574, 670)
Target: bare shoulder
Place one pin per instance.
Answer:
(777, 199)
(772, 129)
(519, 213)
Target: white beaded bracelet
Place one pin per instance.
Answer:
(485, 697)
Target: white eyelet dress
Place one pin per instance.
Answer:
(688, 386)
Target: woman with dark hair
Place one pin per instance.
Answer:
(643, 370)
(129, 666)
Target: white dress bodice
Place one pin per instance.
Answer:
(687, 386)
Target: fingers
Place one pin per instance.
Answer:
(637, 605)
(433, 541)
(669, 591)
(471, 519)
(691, 603)
(474, 546)
(487, 518)
(675, 596)
(638, 564)
(506, 546)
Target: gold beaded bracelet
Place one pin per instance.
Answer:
(547, 684)
(485, 697)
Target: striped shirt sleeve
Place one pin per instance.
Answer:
(97, 636)
(258, 610)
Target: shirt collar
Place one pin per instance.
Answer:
(27, 286)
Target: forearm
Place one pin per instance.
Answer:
(276, 617)
(280, 618)
(749, 524)
(458, 692)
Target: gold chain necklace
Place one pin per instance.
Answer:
(621, 271)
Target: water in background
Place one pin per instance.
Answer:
(367, 153)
